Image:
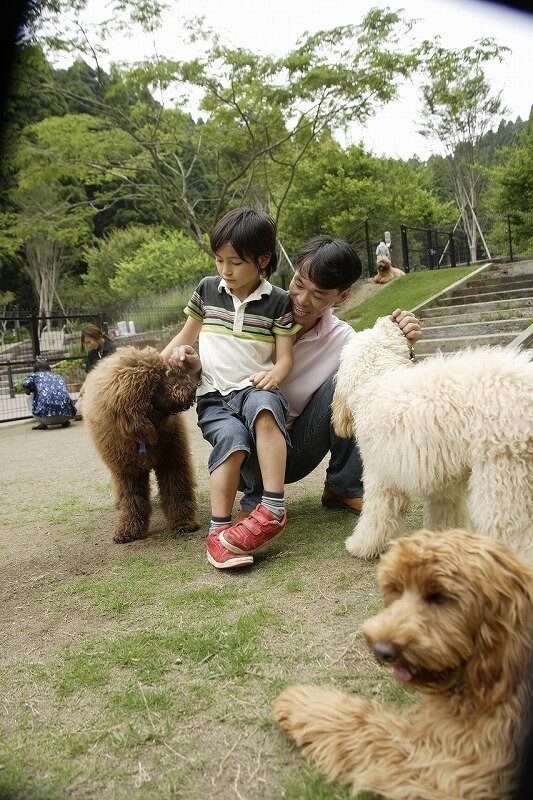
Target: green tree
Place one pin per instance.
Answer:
(512, 191)
(160, 264)
(336, 190)
(102, 260)
(459, 108)
(259, 116)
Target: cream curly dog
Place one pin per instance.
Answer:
(457, 627)
(131, 403)
(456, 430)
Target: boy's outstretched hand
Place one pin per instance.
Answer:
(187, 359)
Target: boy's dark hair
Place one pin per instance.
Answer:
(42, 365)
(330, 263)
(252, 234)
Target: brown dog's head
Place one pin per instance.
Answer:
(458, 613)
(138, 389)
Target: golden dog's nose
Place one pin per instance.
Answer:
(386, 651)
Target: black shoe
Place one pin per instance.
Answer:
(65, 424)
(40, 427)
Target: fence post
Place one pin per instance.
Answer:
(510, 237)
(369, 254)
(405, 248)
(10, 380)
(429, 244)
(451, 243)
(34, 335)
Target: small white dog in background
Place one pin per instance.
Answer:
(455, 430)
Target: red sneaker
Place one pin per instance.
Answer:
(259, 528)
(219, 557)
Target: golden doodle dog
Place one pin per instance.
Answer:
(457, 628)
(386, 272)
(131, 403)
(455, 430)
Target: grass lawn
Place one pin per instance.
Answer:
(406, 293)
(137, 671)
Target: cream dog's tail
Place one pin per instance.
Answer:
(341, 416)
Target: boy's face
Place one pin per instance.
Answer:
(241, 276)
(309, 301)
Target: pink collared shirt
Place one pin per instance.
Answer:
(316, 358)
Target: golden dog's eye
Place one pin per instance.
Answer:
(436, 597)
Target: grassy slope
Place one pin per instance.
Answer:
(405, 293)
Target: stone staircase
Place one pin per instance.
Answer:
(492, 306)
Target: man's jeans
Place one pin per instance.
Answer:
(312, 437)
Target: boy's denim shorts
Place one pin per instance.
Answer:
(227, 421)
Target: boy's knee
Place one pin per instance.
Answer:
(265, 419)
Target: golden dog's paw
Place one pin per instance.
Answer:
(288, 704)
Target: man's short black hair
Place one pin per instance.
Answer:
(329, 262)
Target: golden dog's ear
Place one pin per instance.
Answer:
(503, 646)
(341, 417)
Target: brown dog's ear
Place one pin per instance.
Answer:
(134, 382)
(503, 646)
(134, 424)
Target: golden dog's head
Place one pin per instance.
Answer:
(384, 266)
(457, 616)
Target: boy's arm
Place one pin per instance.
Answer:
(280, 370)
(187, 335)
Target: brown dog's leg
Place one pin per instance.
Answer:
(175, 477)
(134, 508)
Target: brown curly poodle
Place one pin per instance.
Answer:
(131, 403)
(456, 627)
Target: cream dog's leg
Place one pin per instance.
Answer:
(448, 509)
(381, 518)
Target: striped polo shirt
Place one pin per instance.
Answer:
(238, 337)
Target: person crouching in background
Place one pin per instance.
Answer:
(51, 404)
(100, 345)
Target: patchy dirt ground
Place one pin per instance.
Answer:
(55, 534)
(40, 473)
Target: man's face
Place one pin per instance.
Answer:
(309, 301)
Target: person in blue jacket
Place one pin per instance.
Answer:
(51, 404)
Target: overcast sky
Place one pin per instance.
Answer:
(274, 27)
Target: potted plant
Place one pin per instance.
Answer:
(73, 372)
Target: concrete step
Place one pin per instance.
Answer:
(457, 343)
(470, 315)
(474, 329)
(513, 281)
(507, 294)
(513, 306)
(480, 286)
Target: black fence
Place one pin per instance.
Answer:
(418, 248)
(26, 335)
